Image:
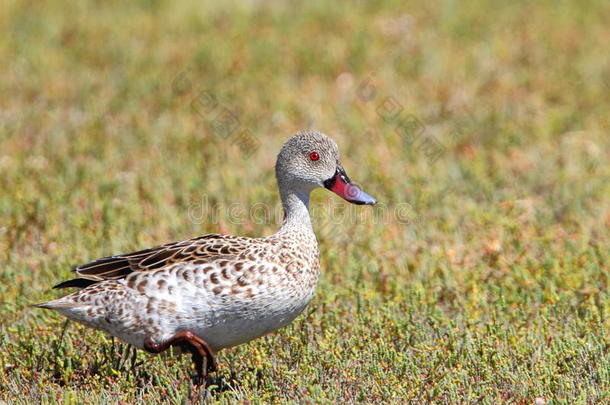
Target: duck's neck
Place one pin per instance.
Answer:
(296, 211)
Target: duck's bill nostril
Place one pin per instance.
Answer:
(341, 185)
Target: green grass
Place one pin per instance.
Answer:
(483, 277)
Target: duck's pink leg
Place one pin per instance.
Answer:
(203, 355)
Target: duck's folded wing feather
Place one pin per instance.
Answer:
(203, 248)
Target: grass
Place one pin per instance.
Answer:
(483, 276)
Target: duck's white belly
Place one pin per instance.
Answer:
(233, 330)
(226, 315)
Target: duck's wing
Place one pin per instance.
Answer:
(203, 249)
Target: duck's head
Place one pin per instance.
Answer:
(310, 160)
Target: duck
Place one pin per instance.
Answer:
(216, 291)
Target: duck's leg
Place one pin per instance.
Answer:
(203, 355)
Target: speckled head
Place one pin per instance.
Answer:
(310, 160)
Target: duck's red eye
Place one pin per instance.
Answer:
(314, 156)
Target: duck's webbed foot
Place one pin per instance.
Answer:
(203, 355)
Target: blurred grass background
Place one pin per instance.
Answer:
(490, 287)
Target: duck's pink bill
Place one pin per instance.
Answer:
(341, 185)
